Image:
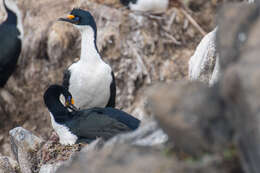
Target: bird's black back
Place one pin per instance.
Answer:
(10, 48)
(101, 122)
(121, 116)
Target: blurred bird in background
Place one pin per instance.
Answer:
(11, 34)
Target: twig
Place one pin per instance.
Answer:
(141, 62)
(184, 10)
(2, 105)
(193, 22)
(172, 38)
(152, 16)
(172, 18)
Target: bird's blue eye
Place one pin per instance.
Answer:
(76, 18)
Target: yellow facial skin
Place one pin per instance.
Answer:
(70, 17)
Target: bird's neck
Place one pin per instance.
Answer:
(14, 16)
(89, 51)
(54, 105)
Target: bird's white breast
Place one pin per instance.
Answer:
(90, 84)
(156, 6)
(66, 137)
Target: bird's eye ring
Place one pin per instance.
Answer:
(76, 19)
(68, 101)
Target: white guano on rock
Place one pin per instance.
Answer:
(203, 65)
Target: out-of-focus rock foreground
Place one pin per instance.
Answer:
(210, 129)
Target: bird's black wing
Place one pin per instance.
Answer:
(10, 49)
(132, 122)
(90, 124)
(66, 79)
(112, 98)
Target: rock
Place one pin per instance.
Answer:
(147, 135)
(24, 146)
(231, 38)
(6, 100)
(57, 44)
(240, 83)
(127, 158)
(119, 158)
(216, 73)
(158, 137)
(94, 146)
(212, 117)
(191, 112)
(50, 168)
(204, 64)
(8, 165)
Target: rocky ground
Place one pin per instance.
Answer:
(209, 129)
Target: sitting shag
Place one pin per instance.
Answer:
(154, 6)
(11, 34)
(84, 125)
(91, 81)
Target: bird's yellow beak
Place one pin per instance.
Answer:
(70, 16)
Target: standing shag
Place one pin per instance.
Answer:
(90, 80)
(154, 6)
(84, 125)
(11, 34)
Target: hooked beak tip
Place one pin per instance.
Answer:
(67, 20)
(62, 19)
(72, 107)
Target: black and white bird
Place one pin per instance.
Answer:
(154, 6)
(90, 80)
(11, 33)
(84, 125)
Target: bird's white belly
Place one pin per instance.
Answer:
(90, 85)
(65, 136)
(156, 6)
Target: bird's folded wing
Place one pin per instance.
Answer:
(98, 125)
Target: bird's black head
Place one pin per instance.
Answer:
(52, 94)
(126, 2)
(81, 18)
